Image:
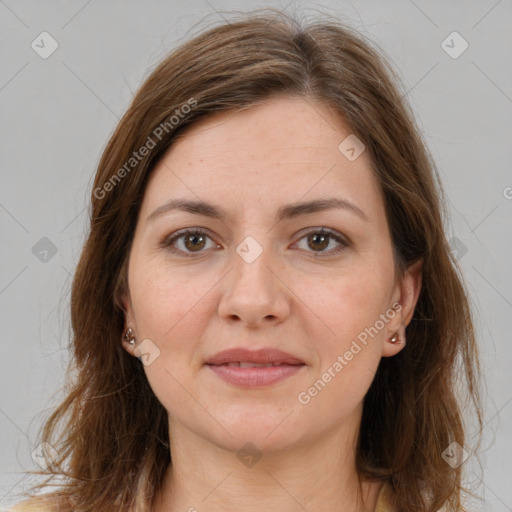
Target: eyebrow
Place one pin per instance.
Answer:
(288, 211)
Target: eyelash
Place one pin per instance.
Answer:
(168, 241)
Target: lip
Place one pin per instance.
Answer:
(261, 356)
(284, 365)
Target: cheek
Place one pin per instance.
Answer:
(349, 352)
(349, 337)
(170, 312)
(348, 303)
(164, 299)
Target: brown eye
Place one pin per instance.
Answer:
(187, 242)
(194, 241)
(318, 241)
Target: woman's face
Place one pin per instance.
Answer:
(254, 279)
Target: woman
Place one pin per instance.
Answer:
(266, 312)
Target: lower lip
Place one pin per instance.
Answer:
(255, 377)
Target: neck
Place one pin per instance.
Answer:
(317, 475)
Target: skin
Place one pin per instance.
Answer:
(297, 296)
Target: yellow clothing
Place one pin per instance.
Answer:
(25, 506)
(382, 503)
(383, 500)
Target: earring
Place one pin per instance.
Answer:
(129, 336)
(399, 336)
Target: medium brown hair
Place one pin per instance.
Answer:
(113, 447)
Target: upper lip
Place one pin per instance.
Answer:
(264, 355)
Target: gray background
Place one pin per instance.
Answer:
(58, 113)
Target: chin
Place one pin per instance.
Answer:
(263, 427)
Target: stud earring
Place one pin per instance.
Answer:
(399, 336)
(129, 336)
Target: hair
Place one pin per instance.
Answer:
(113, 441)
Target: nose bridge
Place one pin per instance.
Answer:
(252, 290)
(252, 260)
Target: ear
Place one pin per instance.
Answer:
(129, 322)
(405, 297)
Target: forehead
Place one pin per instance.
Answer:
(279, 151)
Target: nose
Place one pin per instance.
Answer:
(254, 292)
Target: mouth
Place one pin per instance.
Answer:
(251, 369)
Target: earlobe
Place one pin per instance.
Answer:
(394, 343)
(128, 337)
(129, 341)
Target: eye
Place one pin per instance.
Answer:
(193, 241)
(196, 240)
(319, 240)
